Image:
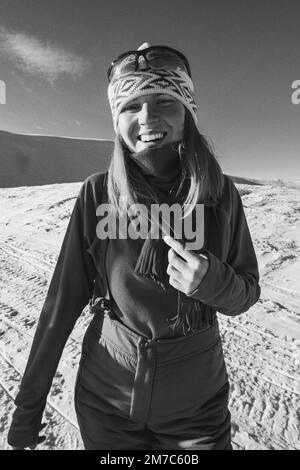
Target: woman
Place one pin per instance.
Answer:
(152, 373)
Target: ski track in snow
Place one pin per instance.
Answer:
(261, 347)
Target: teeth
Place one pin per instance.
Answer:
(150, 137)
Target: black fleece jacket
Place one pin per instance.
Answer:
(230, 286)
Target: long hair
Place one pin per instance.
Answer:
(198, 164)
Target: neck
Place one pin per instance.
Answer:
(161, 162)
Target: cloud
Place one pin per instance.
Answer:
(34, 56)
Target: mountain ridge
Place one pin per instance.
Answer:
(36, 159)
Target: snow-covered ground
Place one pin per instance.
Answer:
(261, 346)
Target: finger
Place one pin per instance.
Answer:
(175, 275)
(175, 261)
(178, 247)
(171, 271)
(176, 284)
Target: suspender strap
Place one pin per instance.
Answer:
(102, 300)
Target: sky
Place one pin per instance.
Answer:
(244, 56)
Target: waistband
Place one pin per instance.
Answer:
(166, 350)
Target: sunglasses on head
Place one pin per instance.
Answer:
(154, 58)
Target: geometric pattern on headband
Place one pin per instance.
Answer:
(135, 83)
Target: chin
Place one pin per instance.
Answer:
(148, 146)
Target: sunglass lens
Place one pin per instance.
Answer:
(156, 58)
(161, 59)
(128, 64)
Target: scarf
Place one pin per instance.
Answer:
(156, 176)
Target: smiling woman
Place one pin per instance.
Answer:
(152, 373)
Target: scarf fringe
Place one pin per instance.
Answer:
(192, 315)
(151, 263)
(161, 182)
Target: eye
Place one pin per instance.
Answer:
(166, 101)
(130, 107)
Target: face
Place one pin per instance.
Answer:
(150, 121)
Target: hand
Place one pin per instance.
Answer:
(39, 440)
(187, 273)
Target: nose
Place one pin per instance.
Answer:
(147, 114)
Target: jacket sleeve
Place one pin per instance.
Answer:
(232, 287)
(70, 289)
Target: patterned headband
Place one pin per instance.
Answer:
(175, 83)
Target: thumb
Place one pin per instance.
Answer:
(39, 440)
(43, 425)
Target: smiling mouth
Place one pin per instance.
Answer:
(149, 138)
